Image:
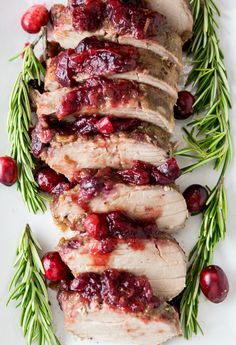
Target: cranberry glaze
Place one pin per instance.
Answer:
(118, 289)
(91, 93)
(125, 17)
(94, 58)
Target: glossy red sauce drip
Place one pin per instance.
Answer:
(118, 289)
(126, 17)
(92, 93)
(94, 58)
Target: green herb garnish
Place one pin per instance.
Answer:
(19, 121)
(30, 293)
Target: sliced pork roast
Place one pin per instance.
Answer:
(177, 13)
(139, 28)
(118, 307)
(69, 154)
(165, 205)
(122, 98)
(93, 57)
(161, 260)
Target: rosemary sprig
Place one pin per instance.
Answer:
(29, 291)
(208, 141)
(19, 121)
(213, 229)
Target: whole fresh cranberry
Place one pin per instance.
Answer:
(47, 179)
(184, 106)
(96, 226)
(105, 126)
(8, 171)
(34, 19)
(196, 197)
(214, 284)
(55, 269)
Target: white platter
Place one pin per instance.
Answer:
(218, 321)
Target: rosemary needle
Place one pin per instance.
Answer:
(29, 290)
(19, 121)
(208, 141)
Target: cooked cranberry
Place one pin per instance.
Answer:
(124, 290)
(61, 188)
(86, 125)
(37, 145)
(170, 169)
(196, 197)
(123, 227)
(8, 171)
(96, 226)
(135, 176)
(91, 186)
(104, 126)
(34, 18)
(214, 284)
(47, 179)
(184, 106)
(55, 269)
(87, 284)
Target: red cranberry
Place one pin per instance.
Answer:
(34, 18)
(87, 284)
(214, 284)
(47, 179)
(55, 269)
(104, 126)
(96, 226)
(184, 106)
(135, 176)
(196, 197)
(8, 171)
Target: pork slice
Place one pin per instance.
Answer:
(161, 260)
(165, 205)
(70, 154)
(126, 100)
(166, 43)
(177, 13)
(97, 321)
(148, 68)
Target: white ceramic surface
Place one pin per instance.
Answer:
(218, 321)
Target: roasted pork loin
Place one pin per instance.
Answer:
(93, 57)
(121, 98)
(161, 260)
(165, 205)
(164, 42)
(103, 323)
(70, 154)
(177, 13)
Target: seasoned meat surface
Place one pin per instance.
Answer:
(165, 205)
(99, 322)
(161, 260)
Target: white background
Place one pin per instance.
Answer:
(218, 321)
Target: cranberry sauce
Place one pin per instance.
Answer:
(94, 57)
(44, 132)
(94, 91)
(116, 225)
(118, 289)
(126, 17)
